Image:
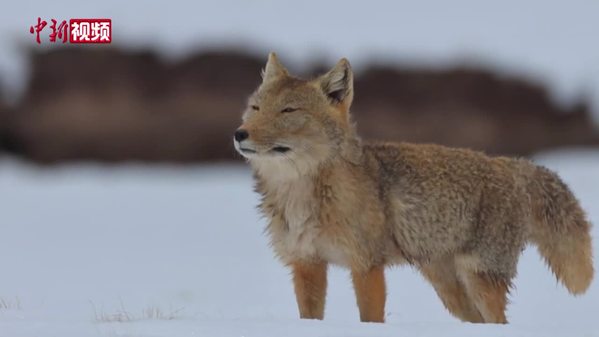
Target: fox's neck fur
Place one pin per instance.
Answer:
(295, 196)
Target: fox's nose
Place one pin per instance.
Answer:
(241, 135)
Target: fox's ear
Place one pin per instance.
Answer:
(273, 69)
(338, 83)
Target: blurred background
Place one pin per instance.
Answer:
(159, 105)
(499, 77)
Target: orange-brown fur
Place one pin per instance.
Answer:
(459, 216)
(371, 293)
(310, 284)
(442, 274)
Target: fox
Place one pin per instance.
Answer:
(458, 216)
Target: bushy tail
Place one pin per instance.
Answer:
(560, 231)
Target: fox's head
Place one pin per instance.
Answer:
(297, 124)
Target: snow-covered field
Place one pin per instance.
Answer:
(89, 250)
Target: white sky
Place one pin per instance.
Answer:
(550, 41)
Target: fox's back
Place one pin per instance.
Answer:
(440, 169)
(435, 193)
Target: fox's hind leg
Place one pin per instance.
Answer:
(310, 283)
(442, 275)
(487, 291)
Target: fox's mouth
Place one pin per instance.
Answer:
(280, 149)
(246, 150)
(250, 151)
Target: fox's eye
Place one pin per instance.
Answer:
(286, 110)
(255, 107)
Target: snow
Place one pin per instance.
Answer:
(553, 42)
(133, 250)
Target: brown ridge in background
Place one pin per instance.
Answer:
(7, 143)
(110, 105)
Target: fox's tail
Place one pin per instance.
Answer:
(560, 231)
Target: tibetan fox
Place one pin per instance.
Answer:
(460, 217)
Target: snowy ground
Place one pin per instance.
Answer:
(134, 251)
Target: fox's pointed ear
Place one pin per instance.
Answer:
(273, 69)
(338, 83)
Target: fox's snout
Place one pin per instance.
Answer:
(242, 143)
(241, 135)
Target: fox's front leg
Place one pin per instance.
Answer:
(310, 283)
(370, 293)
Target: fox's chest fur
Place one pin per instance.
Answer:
(294, 210)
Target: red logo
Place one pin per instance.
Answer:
(38, 29)
(75, 31)
(60, 32)
(91, 30)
